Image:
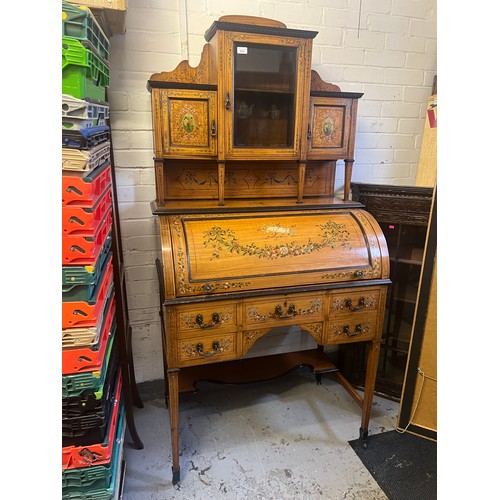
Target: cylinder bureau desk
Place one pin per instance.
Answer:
(245, 151)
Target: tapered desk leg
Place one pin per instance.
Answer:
(173, 410)
(371, 373)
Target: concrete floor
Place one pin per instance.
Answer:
(278, 440)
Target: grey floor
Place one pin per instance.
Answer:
(278, 440)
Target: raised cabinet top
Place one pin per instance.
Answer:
(252, 24)
(252, 120)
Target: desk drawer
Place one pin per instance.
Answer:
(206, 349)
(283, 309)
(206, 317)
(351, 328)
(354, 301)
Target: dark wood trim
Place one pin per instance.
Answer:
(271, 291)
(422, 431)
(260, 30)
(420, 319)
(153, 84)
(318, 204)
(395, 204)
(344, 95)
(391, 217)
(359, 188)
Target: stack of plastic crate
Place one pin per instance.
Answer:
(93, 423)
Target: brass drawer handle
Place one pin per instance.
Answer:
(201, 352)
(279, 312)
(213, 129)
(215, 321)
(361, 304)
(357, 330)
(227, 104)
(358, 274)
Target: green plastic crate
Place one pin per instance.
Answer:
(86, 382)
(84, 74)
(86, 275)
(87, 293)
(79, 22)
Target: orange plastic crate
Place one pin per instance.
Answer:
(81, 314)
(82, 249)
(90, 358)
(85, 221)
(83, 189)
(99, 453)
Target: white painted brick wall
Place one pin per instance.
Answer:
(388, 51)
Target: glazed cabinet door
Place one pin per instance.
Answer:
(185, 123)
(262, 95)
(330, 128)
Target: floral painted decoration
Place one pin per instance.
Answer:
(332, 234)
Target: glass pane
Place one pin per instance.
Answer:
(264, 95)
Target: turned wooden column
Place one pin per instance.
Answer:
(347, 178)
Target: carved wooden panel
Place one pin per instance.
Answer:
(187, 123)
(315, 330)
(329, 127)
(395, 204)
(189, 180)
(184, 73)
(317, 84)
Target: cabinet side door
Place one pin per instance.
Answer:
(329, 128)
(187, 124)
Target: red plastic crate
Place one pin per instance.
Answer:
(84, 189)
(87, 359)
(83, 220)
(82, 249)
(81, 314)
(100, 453)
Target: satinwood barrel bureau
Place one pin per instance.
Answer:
(253, 237)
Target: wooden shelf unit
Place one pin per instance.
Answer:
(403, 214)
